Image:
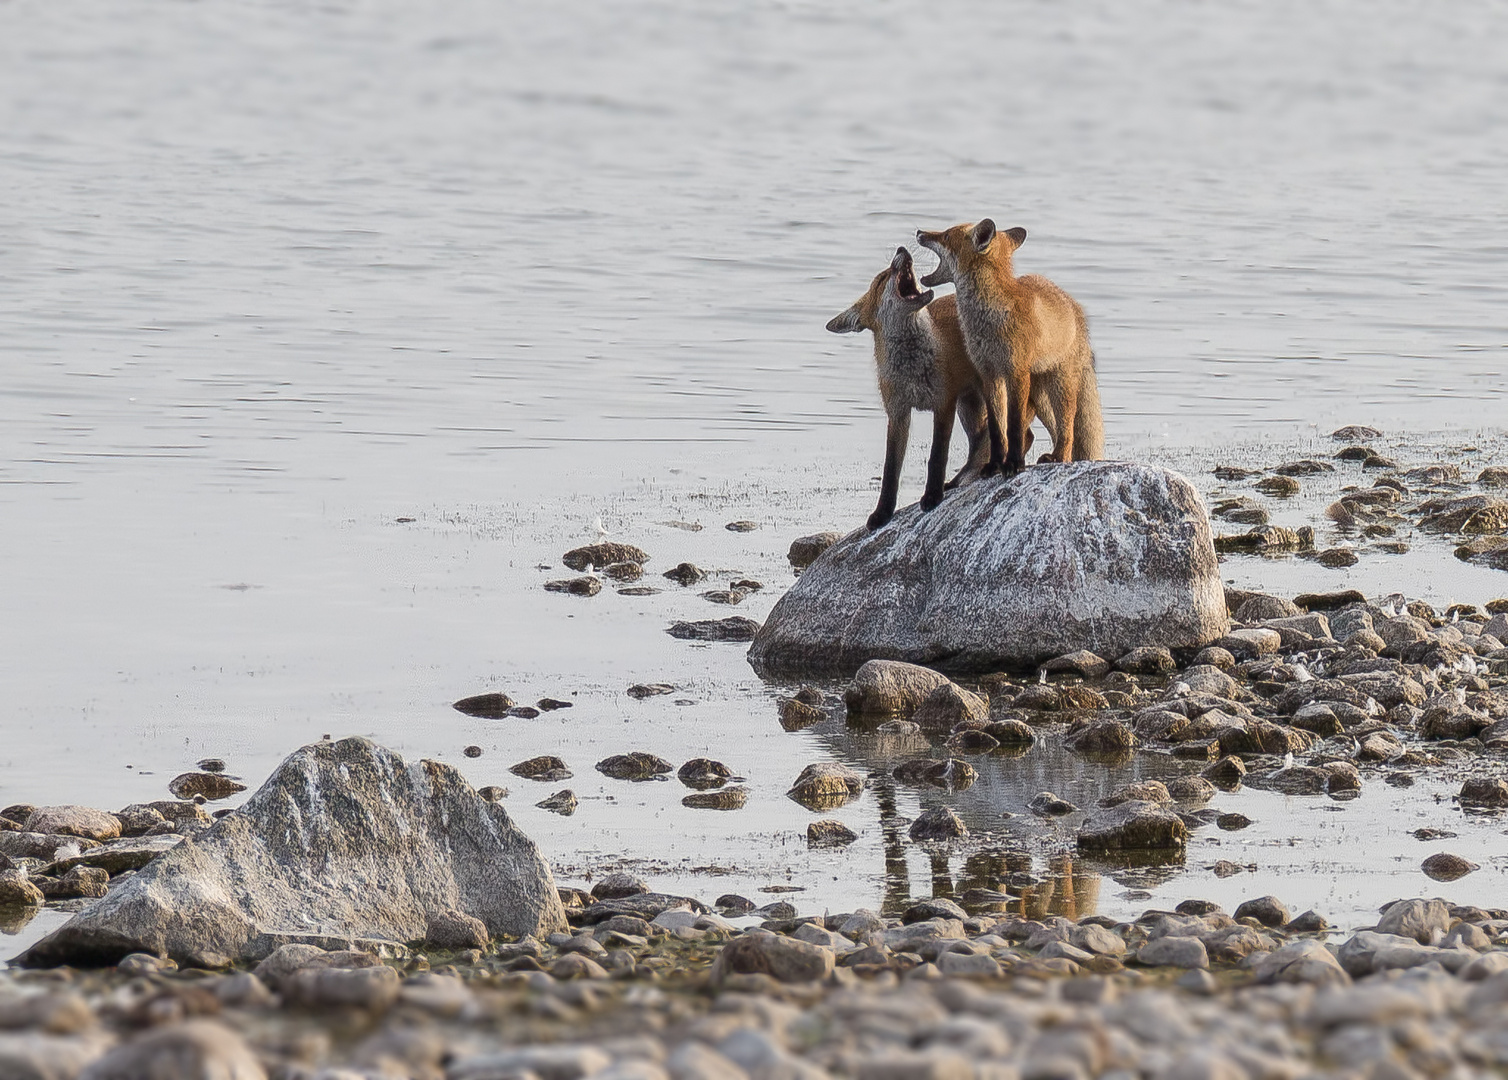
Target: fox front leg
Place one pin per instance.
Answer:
(937, 463)
(896, 434)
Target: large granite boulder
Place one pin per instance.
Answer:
(344, 840)
(1100, 555)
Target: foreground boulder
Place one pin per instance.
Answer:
(1098, 555)
(344, 840)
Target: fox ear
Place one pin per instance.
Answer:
(846, 323)
(1017, 235)
(984, 232)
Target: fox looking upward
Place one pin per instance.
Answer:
(1022, 334)
(922, 364)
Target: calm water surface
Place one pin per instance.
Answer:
(274, 275)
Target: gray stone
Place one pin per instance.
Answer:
(1133, 825)
(947, 706)
(1267, 910)
(345, 836)
(452, 929)
(783, 959)
(1147, 660)
(190, 1050)
(805, 550)
(890, 686)
(939, 823)
(1005, 574)
(1182, 952)
(118, 856)
(1425, 921)
(16, 890)
(1303, 961)
(826, 784)
(603, 554)
(74, 821)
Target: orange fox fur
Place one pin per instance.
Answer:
(1028, 339)
(922, 364)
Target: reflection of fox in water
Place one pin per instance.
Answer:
(1028, 338)
(922, 364)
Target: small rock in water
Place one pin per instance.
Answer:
(1447, 867)
(1355, 453)
(603, 555)
(551, 704)
(580, 586)
(728, 798)
(487, 706)
(1134, 825)
(796, 714)
(545, 767)
(949, 705)
(212, 764)
(493, 793)
(939, 823)
(640, 691)
(16, 890)
(1329, 601)
(472, 751)
(1433, 834)
(702, 773)
(1046, 804)
(617, 885)
(562, 802)
(829, 833)
(635, 765)
(741, 526)
(685, 573)
(1267, 910)
(639, 590)
(1279, 487)
(1482, 791)
(826, 784)
(1306, 467)
(805, 550)
(733, 904)
(953, 773)
(724, 596)
(1232, 822)
(736, 628)
(211, 785)
(891, 686)
(623, 571)
(1354, 433)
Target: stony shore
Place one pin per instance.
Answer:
(647, 986)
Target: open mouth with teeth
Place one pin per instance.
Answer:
(905, 279)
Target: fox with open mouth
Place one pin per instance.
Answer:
(1029, 341)
(922, 363)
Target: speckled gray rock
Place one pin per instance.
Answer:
(343, 838)
(1097, 555)
(889, 686)
(191, 1050)
(1131, 825)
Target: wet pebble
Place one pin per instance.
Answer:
(493, 706)
(735, 797)
(635, 765)
(546, 768)
(685, 573)
(562, 802)
(1446, 867)
(829, 833)
(736, 628)
(210, 785)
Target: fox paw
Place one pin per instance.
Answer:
(878, 519)
(1013, 466)
(930, 501)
